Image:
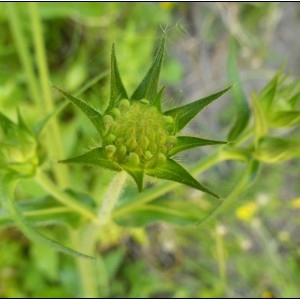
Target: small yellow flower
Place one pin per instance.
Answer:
(166, 5)
(296, 203)
(246, 211)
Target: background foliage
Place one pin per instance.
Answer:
(222, 258)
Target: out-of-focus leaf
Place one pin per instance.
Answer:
(95, 157)
(275, 150)
(117, 89)
(94, 116)
(260, 125)
(267, 95)
(148, 87)
(294, 100)
(247, 178)
(239, 97)
(171, 170)
(285, 118)
(188, 142)
(184, 114)
(6, 190)
(172, 211)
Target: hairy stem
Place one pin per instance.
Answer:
(90, 272)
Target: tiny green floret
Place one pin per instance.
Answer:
(137, 134)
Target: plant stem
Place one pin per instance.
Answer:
(111, 198)
(54, 138)
(219, 233)
(88, 271)
(62, 197)
(24, 54)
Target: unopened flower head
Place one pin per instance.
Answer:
(137, 136)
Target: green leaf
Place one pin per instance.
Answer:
(285, 118)
(94, 116)
(239, 97)
(21, 123)
(171, 170)
(95, 157)
(117, 89)
(276, 150)
(184, 114)
(137, 174)
(188, 142)
(6, 190)
(148, 87)
(294, 99)
(175, 211)
(260, 121)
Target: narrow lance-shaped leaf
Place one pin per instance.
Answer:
(6, 190)
(148, 87)
(285, 118)
(239, 97)
(117, 89)
(171, 170)
(184, 114)
(95, 157)
(276, 150)
(91, 113)
(188, 142)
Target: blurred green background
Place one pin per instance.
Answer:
(251, 251)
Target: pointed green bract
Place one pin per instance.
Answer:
(117, 89)
(239, 97)
(91, 113)
(137, 174)
(187, 142)
(95, 157)
(184, 114)
(158, 98)
(171, 170)
(6, 124)
(148, 87)
(268, 94)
